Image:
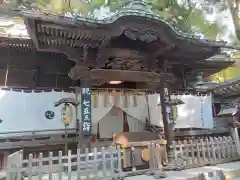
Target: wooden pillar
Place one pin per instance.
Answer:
(86, 113)
(78, 116)
(169, 134)
(168, 131)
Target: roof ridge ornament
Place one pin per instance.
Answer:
(139, 5)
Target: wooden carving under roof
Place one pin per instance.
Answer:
(133, 46)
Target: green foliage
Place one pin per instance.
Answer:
(186, 16)
(230, 72)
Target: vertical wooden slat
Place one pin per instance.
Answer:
(208, 150)
(198, 151)
(218, 150)
(104, 169)
(175, 158)
(203, 150)
(19, 174)
(40, 163)
(192, 151)
(95, 159)
(78, 164)
(150, 160)
(111, 162)
(69, 164)
(30, 158)
(213, 149)
(87, 162)
(119, 155)
(159, 158)
(60, 165)
(186, 151)
(227, 147)
(180, 150)
(232, 147)
(133, 159)
(19, 168)
(50, 167)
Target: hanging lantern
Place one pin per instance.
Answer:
(67, 114)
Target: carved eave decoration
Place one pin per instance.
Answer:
(134, 46)
(22, 66)
(131, 40)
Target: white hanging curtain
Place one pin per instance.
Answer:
(111, 122)
(196, 112)
(26, 111)
(155, 110)
(207, 116)
(139, 111)
(101, 109)
(135, 125)
(189, 115)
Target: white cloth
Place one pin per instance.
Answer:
(26, 111)
(112, 122)
(191, 114)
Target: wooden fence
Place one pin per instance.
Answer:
(102, 164)
(201, 152)
(96, 164)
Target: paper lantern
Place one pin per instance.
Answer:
(67, 114)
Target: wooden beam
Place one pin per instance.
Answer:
(121, 75)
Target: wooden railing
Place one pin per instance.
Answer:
(103, 163)
(201, 152)
(99, 163)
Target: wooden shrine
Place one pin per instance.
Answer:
(132, 50)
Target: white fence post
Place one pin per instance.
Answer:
(235, 135)
(60, 170)
(14, 161)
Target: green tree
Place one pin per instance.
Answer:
(185, 15)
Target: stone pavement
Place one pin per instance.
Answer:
(171, 175)
(189, 173)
